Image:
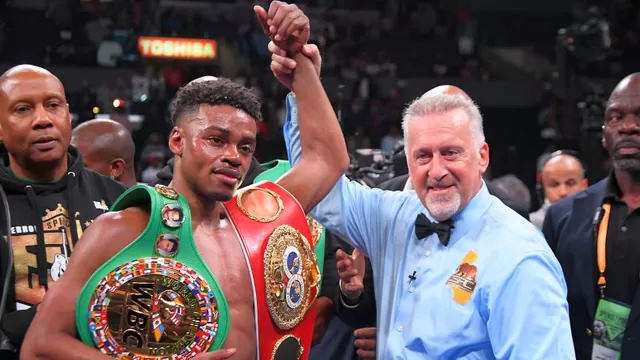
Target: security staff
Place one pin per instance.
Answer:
(595, 238)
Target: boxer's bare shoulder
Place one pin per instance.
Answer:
(113, 231)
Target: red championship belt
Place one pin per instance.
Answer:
(284, 269)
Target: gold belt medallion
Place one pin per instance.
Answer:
(287, 347)
(166, 191)
(258, 204)
(153, 307)
(316, 229)
(291, 271)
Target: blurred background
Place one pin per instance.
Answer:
(540, 70)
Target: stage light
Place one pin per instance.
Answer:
(118, 103)
(96, 110)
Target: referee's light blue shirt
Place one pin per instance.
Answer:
(517, 306)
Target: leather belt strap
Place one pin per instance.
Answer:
(275, 236)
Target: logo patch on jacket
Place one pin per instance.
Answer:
(463, 280)
(56, 227)
(100, 205)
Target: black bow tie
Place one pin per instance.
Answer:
(424, 228)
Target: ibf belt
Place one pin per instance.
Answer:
(284, 269)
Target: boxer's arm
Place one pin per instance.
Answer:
(355, 213)
(52, 334)
(324, 153)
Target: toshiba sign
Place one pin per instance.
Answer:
(177, 48)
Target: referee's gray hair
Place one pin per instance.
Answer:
(438, 103)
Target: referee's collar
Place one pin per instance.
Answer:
(470, 215)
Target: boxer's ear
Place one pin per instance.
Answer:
(176, 141)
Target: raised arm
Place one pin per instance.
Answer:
(52, 334)
(325, 156)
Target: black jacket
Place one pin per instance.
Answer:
(166, 174)
(43, 235)
(570, 231)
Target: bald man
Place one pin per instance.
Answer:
(601, 261)
(107, 148)
(562, 175)
(448, 90)
(52, 197)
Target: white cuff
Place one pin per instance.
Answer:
(343, 296)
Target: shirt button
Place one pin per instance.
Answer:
(411, 289)
(624, 228)
(400, 328)
(428, 253)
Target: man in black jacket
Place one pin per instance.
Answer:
(52, 197)
(594, 235)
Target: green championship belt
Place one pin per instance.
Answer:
(274, 170)
(156, 298)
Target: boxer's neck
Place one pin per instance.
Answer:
(205, 213)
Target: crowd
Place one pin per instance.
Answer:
(447, 263)
(356, 48)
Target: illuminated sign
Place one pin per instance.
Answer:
(177, 48)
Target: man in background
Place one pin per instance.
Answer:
(52, 197)
(594, 235)
(562, 174)
(107, 148)
(513, 193)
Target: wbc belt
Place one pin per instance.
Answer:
(156, 298)
(276, 237)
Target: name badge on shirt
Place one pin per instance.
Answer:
(608, 329)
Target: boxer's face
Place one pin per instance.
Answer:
(216, 144)
(445, 163)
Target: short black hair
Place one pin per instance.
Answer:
(214, 92)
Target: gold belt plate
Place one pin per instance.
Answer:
(291, 272)
(153, 307)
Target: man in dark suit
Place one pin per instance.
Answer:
(572, 224)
